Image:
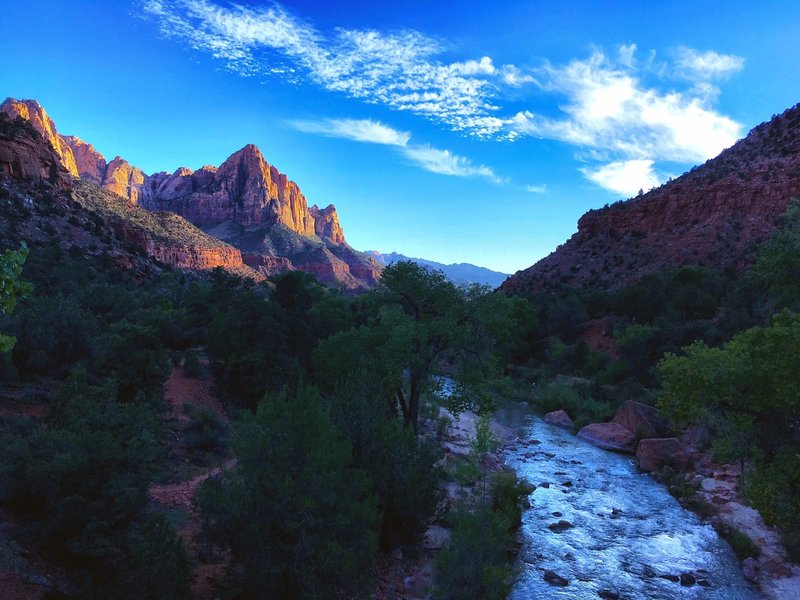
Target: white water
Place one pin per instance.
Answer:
(650, 535)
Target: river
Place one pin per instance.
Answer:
(627, 531)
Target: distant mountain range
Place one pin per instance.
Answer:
(460, 273)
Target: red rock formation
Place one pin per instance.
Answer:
(713, 215)
(31, 111)
(28, 157)
(655, 454)
(609, 436)
(245, 191)
(326, 224)
(642, 420)
(90, 163)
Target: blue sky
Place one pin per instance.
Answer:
(457, 131)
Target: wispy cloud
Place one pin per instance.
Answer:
(424, 156)
(617, 104)
(706, 66)
(397, 69)
(358, 130)
(624, 177)
(445, 162)
(536, 189)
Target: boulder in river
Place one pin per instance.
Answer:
(656, 453)
(554, 578)
(609, 436)
(559, 418)
(642, 420)
(560, 526)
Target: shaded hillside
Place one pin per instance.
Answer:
(713, 216)
(244, 192)
(459, 273)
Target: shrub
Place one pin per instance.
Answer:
(295, 513)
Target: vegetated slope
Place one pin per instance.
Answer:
(245, 197)
(458, 273)
(43, 204)
(714, 216)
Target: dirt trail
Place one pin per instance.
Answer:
(180, 495)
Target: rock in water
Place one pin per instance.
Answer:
(559, 418)
(554, 578)
(609, 436)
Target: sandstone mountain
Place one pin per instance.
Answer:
(458, 273)
(247, 201)
(45, 205)
(714, 215)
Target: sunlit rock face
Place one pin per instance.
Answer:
(32, 111)
(326, 224)
(246, 197)
(713, 216)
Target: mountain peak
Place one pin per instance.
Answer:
(32, 111)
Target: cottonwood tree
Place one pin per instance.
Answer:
(419, 324)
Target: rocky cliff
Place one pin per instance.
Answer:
(714, 215)
(243, 192)
(32, 169)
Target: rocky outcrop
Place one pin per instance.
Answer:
(640, 419)
(90, 163)
(25, 155)
(559, 418)
(657, 453)
(32, 112)
(713, 215)
(609, 436)
(245, 189)
(326, 224)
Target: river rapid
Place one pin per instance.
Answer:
(624, 533)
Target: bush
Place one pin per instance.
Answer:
(575, 399)
(478, 562)
(295, 513)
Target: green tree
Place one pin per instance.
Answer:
(418, 322)
(748, 391)
(11, 288)
(777, 265)
(294, 512)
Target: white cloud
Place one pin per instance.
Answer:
(705, 66)
(426, 157)
(359, 130)
(445, 162)
(396, 69)
(610, 108)
(536, 189)
(624, 177)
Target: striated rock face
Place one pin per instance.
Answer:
(31, 111)
(326, 224)
(245, 192)
(713, 215)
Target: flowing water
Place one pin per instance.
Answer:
(627, 531)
